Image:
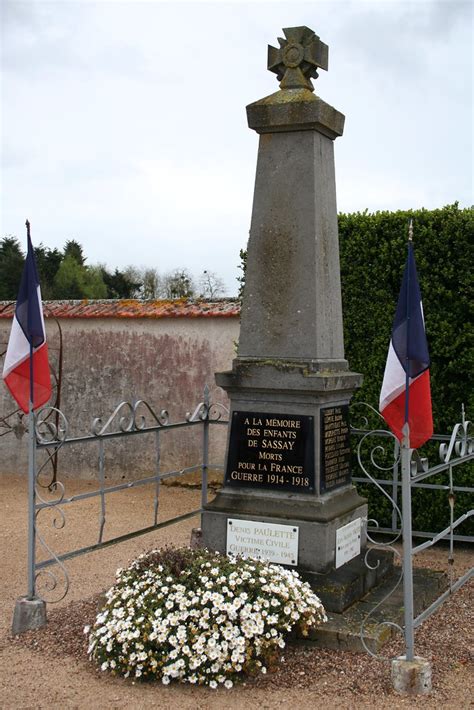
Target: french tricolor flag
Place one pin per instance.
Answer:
(26, 367)
(406, 395)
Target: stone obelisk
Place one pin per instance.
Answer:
(287, 492)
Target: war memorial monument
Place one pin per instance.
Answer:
(287, 494)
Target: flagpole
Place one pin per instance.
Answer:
(406, 487)
(31, 471)
(28, 336)
(407, 355)
(31, 503)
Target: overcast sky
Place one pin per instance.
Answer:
(124, 125)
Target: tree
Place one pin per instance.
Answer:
(93, 283)
(48, 262)
(178, 284)
(74, 250)
(68, 280)
(74, 281)
(211, 285)
(11, 268)
(151, 284)
(121, 284)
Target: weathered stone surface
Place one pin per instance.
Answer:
(28, 614)
(295, 110)
(290, 506)
(343, 630)
(292, 298)
(411, 677)
(297, 59)
(291, 350)
(340, 588)
(317, 521)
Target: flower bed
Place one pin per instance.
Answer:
(200, 617)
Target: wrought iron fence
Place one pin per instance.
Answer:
(454, 450)
(48, 579)
(408, 471)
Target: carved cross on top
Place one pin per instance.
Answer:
(299, 56)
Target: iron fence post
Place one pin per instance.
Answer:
(395, 470)
(451, 499)
(102, 486)
(205, 448)
(157, 484)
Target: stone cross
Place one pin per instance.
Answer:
(298, 57)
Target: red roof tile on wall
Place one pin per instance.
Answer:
(134, 308)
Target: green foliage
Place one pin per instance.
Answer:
(11, 267)
(74, 281)
(68, 280)
(64, 275)
(93, 283)
(372, 254)
(48, 262)
(241, 278)
(120, 284)
(75, 251)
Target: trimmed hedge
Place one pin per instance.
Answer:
(373, 253)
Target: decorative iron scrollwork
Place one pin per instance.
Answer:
(461, 442)
(140, 419)
(123, 415)
(377, 455)
(207, 410)
(51, 428)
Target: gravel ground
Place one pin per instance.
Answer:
(48, 668)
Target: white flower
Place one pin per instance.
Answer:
(165, 680)
(228, 684)
(212, 684)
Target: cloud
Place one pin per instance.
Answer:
(126, 121)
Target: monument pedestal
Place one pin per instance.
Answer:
(288, 495)
(287, 489)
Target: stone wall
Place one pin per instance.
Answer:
(165, 361)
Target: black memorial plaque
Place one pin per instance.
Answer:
(274, 451)
(335, 448)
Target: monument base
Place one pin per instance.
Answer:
(340, 588)
(316, 523)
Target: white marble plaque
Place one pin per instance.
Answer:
(266, 541)
(348, 542)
